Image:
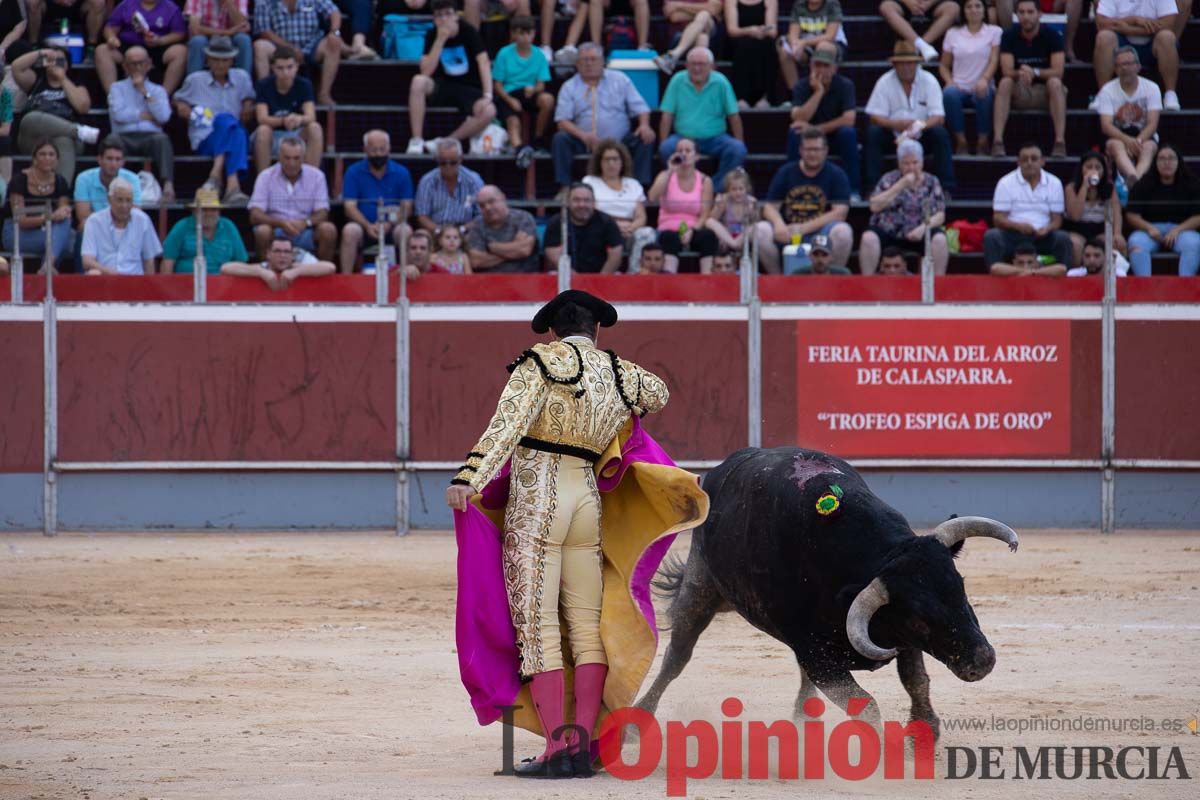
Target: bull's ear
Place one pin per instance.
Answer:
(846, 595)
(956, 548)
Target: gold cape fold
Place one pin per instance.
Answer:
(650, 502)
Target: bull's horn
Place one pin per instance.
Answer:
(953, 531)
(873, 597)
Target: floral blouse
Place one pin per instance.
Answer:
(911, 207)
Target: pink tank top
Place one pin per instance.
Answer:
(679, 206)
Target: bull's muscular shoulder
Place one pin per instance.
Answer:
(559, 362)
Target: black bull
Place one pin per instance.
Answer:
(798, 545)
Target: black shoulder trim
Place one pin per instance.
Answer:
(620, 384)
(474, 454)
(459, 482)
(532, 354)
(468, 468)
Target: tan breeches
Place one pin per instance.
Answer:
(552, 558)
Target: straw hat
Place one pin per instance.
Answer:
(904, 51)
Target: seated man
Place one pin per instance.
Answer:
(1026, 262)
(222, 239)
(1031, 69)
(447, 195)
(820, 260)
(92, 185)
(1093, 261)
(1028, 208)
(300, 26)
(811, 197)
(699, 104)
(594, 242)
(215, 101)
(291, 199)
(376, 180)
(826, 101)
(285, 107)
(283, 265)
(654, 260)
(1129, 107)
(893, 262)
(1148, 27)
(208, 18)
(723, 264)
(120, 240)
(157, 26)
(597, 104)
(906, 103)
(139, 109)
(520, 79)
(941, 14)
(814, 23)
(455, 71)
(82, 15)
(501, 239)
(419, 249)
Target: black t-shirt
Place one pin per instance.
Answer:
(1158, 203)
(801, 197)
(49, 99)
(837, 100)
(457, 63)
(20, 185)
(280, 105)
(1034, 53)
(586, 244)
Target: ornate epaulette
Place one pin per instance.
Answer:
(632, 405)
(562, 380)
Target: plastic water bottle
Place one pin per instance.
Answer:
(1122, 190)
(65, 27)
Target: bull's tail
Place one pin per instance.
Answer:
(669, 579)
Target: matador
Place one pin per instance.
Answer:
(561, 409)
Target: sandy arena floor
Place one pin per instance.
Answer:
(322, 666)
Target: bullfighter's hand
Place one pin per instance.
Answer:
(457, 496)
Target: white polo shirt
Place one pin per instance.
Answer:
(1029, 204)
(888, 98)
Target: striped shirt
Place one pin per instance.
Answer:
(435, 201)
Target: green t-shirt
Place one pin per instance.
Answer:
(515, 73)
(226, 245)
(699, 115)
(834, 269)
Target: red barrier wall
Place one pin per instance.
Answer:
(140, 391)
(458, 372)
(1158, 383)
(21, 397)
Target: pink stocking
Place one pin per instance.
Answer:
(589, 690)
(547, 691)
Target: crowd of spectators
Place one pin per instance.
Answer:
(232, 71)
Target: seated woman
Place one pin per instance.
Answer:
(31, 188)
(970, 57)
(735, 217)
(904, 203)
(692, 23)
(1164, 211)
(685, 198)
(620, 196)
(752, 27)
(1086, 195)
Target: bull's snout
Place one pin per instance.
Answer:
(979, 665)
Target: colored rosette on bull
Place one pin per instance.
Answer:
(830, 501)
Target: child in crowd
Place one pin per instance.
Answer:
(734, 215)
(520, 77)
(449, 256)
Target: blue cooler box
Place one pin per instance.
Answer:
(639, 66)
(71, 42)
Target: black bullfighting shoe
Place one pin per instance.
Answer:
(581, 763)
(557, 765)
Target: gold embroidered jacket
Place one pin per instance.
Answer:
(564, 397)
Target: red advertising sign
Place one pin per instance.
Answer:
(933, 388)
